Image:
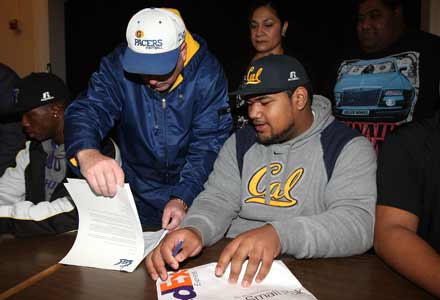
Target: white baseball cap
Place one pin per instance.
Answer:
(154, 36)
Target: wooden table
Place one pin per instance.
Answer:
(358, 277)
(23, 258)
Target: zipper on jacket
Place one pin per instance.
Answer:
(153, 105)
(164, 108)
(156, 126)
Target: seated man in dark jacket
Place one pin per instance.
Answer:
(11, 136)
(33, 199)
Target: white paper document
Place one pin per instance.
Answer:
(201, 283)
(109, 232)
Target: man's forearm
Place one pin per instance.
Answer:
(85, 153)
(411, 256)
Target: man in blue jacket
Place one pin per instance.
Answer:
(167, 96)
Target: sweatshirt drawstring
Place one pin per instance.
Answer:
(268, 178)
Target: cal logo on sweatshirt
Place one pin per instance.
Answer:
(279, 191)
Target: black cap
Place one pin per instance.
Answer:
(273, 74)
(38, 89)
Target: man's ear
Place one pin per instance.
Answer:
(183, 51)
(300, 97)
(284, 29)
(56, 110)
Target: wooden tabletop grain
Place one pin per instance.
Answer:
(358, 277)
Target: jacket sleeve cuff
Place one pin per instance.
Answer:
(73, 150)
(183, 192)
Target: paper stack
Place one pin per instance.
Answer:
(109, 233)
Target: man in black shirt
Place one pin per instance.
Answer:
(391, 77)
(407, 231)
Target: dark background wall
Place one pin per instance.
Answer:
(318, 31)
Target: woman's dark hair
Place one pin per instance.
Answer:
(274, 4)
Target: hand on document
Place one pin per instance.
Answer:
(162, 255)
(109, 233)
(260, 245)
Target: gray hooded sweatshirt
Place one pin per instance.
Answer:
(286, 185)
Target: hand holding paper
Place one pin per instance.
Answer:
(103, 173)
(109, 233)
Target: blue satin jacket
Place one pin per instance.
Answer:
(168, 142)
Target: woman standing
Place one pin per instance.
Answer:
(267, 28)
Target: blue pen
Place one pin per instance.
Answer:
(177, 248)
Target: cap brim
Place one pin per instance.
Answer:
(154, 64)
(256, 91)
(28, 107)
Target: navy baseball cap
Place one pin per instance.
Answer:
(273, 74)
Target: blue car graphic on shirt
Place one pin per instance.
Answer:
(373, 90)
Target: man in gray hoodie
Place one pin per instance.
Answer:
(297, 182)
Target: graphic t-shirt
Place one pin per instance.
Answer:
(375, 93)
